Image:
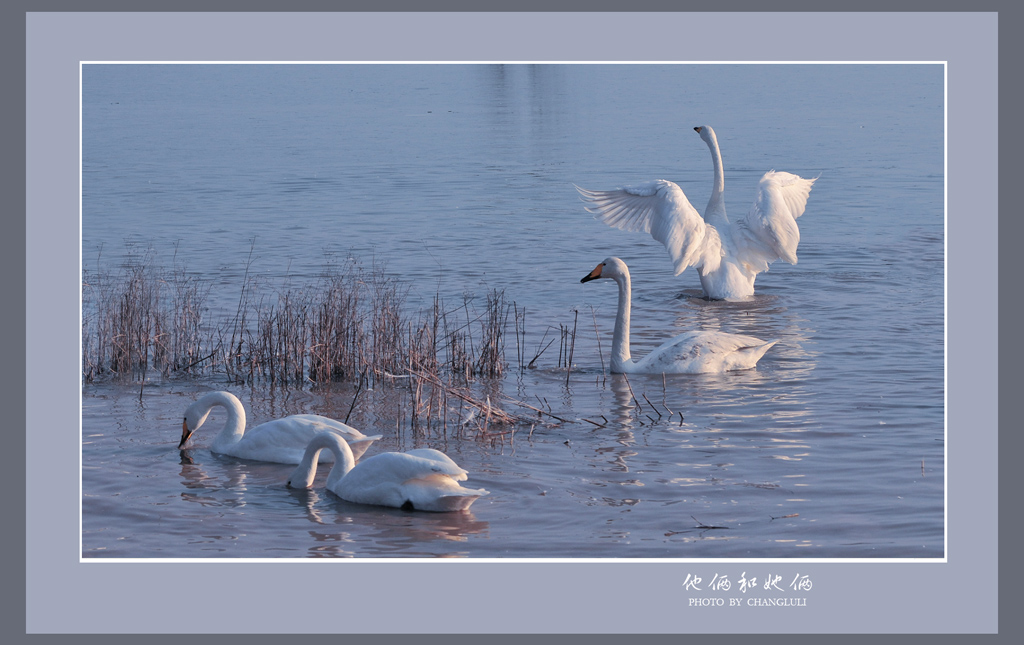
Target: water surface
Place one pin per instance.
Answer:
(458, 179)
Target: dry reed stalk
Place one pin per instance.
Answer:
(238, 326)
(600, 352)
(572, 348)
(651, 404)
(541, 351)
(355, 397)
(520, 329)
(535, 409)
(464, 396)
(639, 408)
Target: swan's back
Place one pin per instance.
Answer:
(452, 469)
(417, 480)
(700, 352)
(284, 440)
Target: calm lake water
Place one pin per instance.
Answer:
(458, 179)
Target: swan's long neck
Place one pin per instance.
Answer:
(620, 336)
(234, 427)
(715, 212)
(344, 461)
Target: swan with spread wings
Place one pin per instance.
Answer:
(727, 255)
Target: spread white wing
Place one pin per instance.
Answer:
(769, 231)
(660, 208)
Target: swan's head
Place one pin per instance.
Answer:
(301, 477)
(611, 268)
(707, 134)
(195, 416)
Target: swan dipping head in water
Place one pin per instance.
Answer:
(693, 352)
(280, 441)
(417, 480)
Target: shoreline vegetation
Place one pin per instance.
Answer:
(351, 324)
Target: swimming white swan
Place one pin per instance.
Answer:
(727, 256)
(281, 441)
(693, 352)
(420, 480)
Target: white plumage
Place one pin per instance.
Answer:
(420, 480)
(280, 441)
(692, 352)
(727, 256)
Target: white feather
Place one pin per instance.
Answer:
(727, 256)
(423, 479)
(280, 441)
(693, 352)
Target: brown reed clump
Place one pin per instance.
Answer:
(136, 320)
(189, 345)
(387, 351)
(335, 330)
(352, 324)
(491, 359)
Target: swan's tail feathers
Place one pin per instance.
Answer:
(756, 352)
(358, 446)
(460, 501)
(363, 439)
(434, 494)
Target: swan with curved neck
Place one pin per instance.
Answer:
(417, 480)
(727, 255)
(693, 352)
(281, 441)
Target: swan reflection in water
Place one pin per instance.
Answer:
(344, 529)
(333, 527)
(229, 488)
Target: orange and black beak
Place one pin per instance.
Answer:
(185, 434)
(593, 275)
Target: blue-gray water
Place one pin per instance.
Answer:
(458, 179)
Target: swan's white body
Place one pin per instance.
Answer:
(420, 480)
(727, 256)
(280, 441)
(693, 352)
